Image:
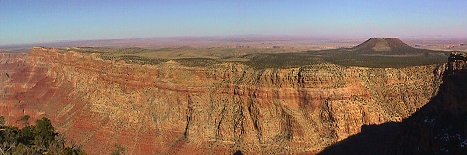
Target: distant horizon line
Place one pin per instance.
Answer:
(254, 37)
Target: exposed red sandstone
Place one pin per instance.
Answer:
(439, 127)
(170, 108)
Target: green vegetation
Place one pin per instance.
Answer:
(385, 61)
(272, 58)
(2, 121)
(119, 150)
(25, 119)
(197, 62)
(281, 60)
(133, 59)
(288, 60)
(34, 139)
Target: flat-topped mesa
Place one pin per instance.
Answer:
(382, 45)
(145, 108)
(39, 47)
(44, 49)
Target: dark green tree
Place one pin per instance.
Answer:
(2, 121)
(40, 138)
(119, 150)
(25, 119)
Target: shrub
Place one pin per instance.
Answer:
(119, 150)
(34, 139)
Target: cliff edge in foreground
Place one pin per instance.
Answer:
(439, 127)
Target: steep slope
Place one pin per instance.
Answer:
(170, 108)
(382, 44)
(388, 46)
(439, 127)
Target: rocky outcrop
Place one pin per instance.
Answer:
(174, 109)
(439, 127)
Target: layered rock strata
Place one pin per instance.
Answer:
(173, 109)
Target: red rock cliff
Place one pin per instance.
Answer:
(170, 108)
(439, 127)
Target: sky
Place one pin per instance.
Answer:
(39, 21)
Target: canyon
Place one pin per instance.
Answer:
(171, 108)
(436, 128)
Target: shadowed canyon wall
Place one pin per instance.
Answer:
(439, 127)
(174, 109)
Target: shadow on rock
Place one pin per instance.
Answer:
(439, 127)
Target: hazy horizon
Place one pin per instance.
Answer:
(26, 22)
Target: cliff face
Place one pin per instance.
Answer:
(170, 108)
(439, 127)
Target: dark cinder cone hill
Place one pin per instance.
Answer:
(386, 46)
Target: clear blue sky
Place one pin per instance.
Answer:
(30, 21)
